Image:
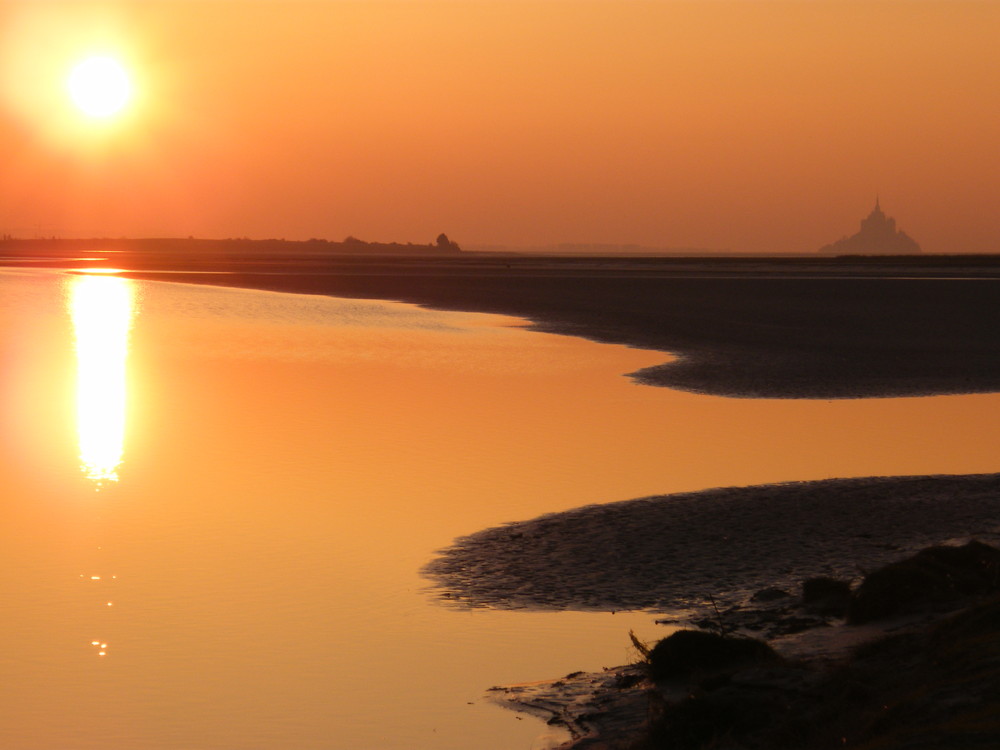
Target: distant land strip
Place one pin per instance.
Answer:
(237, 247)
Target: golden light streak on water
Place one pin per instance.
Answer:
(102, 308)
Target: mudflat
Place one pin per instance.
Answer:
(685, 553)
(765, 327)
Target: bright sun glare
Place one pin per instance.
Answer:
(102, 308)
(99, 86)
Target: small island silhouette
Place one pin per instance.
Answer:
(878, 236)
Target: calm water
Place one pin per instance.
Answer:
(216, 503)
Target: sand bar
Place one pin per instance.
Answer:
(673, 552)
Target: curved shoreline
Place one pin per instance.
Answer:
(623, 555)
(673, 553)
(773, 328)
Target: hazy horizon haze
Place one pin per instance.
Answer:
(762, 126)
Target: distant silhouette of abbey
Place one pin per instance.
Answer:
(878, 236)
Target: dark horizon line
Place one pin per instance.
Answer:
(586, 250)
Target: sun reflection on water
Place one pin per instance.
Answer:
(101, 308)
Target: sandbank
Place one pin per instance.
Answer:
(672, 553)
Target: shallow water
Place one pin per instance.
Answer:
(257, 479)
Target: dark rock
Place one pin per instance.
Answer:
(695, 651)
(932, 683)
(790, 679)
(770, 595)
(790, 625)
(826, 596)
(720, 718)
(706, 623)
(628, 680)
(933, 579)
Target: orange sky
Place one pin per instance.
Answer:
(751, 125)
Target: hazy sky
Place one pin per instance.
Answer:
(752, 125)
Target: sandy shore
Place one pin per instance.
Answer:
(671, 553)
(884, 684)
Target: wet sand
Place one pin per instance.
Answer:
(673, 553)
(700, 557)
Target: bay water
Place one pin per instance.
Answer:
(216, 504)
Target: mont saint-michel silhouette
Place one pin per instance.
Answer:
(878, 236)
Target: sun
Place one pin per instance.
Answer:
(99, 86)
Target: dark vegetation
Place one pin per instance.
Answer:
(184, 250)
(932, 684)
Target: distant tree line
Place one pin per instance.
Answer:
(350, 245)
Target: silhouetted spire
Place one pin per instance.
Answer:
(877, 214)
(878, 236)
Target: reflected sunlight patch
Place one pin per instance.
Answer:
(88, 271)
(101, 308)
